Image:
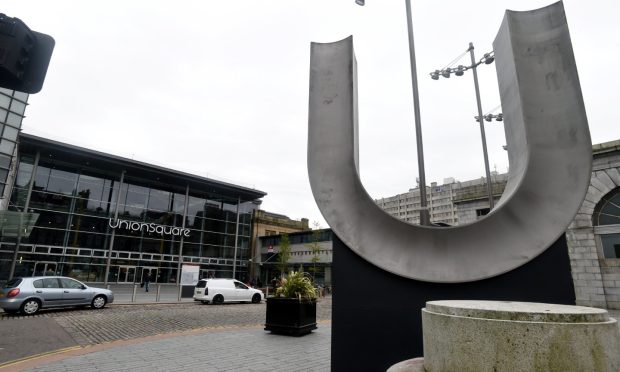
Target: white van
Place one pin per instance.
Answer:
(218, 291)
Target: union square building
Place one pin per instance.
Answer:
(94, 213)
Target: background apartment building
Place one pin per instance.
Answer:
(593, 238)
(451, 203)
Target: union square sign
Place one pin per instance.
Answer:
(148, 227)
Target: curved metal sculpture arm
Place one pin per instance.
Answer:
(549, 152)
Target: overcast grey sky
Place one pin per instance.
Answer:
(220, 88)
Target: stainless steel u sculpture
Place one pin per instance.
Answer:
(548, 145)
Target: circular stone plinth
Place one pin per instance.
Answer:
(409, 365)
(518, 336)
(519, 311)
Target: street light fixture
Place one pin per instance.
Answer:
(487, 59)
(424, 214)
(490, 117)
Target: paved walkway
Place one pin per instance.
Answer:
(230, 349)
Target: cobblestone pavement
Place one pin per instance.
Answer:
(166, 337)
(123, 322)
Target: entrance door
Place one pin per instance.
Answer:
(146, 270)
(126, 274)
(204, 274)
(44, 268)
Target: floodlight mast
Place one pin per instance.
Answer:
(487, 59)
(424, 213)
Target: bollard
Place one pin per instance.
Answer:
(107, 286)
(158, 292)
(133, 295)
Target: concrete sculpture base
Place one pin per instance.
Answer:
(516, 336)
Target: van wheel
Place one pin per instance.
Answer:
(256, 298)
(204, 302)
(218, 300)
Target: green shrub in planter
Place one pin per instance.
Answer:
(293, 310)
(296, 285)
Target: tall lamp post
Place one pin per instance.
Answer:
(488, 58)
(424, 214)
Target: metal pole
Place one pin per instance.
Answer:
(236, 238)
(481, 121)
(180, 262)
(424, 215)
(35, 165)
(254, 261)
(118, 199)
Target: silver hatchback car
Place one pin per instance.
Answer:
(29, 295)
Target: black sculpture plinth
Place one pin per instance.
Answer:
(376, 316)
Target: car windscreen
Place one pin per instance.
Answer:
(201, 284)
(13, 283)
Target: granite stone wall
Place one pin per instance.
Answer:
(596, 278)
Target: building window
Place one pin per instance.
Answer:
(482, 212)
(611, 245)
(606, 222)
(607, 212)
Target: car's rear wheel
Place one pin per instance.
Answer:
(98, 302)
(218, 300)
(31, 307)
(256, 298)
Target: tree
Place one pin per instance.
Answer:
(284, 253)
(315, 248)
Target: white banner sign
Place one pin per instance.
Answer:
(189, 274)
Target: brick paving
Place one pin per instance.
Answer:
(250, 349)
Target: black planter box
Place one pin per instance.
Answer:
(290, 316)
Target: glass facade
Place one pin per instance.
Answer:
(305, 238)
(77, 230)
(12, 108)
(310, 251)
